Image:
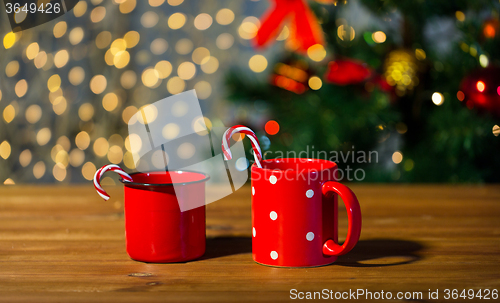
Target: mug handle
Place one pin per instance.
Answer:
(353, 215)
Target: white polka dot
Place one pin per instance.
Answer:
(253, 191)
(310, 193)
(310, 236)
(253, 231)
(273, 215)
(274, 255)
(273, 179)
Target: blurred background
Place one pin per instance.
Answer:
(417, 82)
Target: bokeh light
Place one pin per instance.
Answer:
(346, 32)
(175, 85)
(127, 6)
(186, 150)
(175, 2)
(76, 35)
(32, 50)
(150, 77)
(249, 27)
(128, 112)
(115, 154)
(88, 170)
(9, 113)
(61, 27)
(203, 89)
(33, 113)
(9, 40)
(12, 68)
(224, 41)
(59, 172)
(397, 157)
(164, 69)
(39, 170)
(25, 157)
(103, 39)
(21, 88)
(98, 84)
(480, 86)
(80, 9)
(420, 54)
(101, 147)
(149, 19)
(54, 83)
(176, 20)
(483, 60)
(184, 46)
(5, 150)
(315, 82)
(224, 16)
(257, 63)
(437, 98)
(82, 140)
(496, 130)
(316, 52)
(159, 46)
(110, 102)
(128, 79)
(155, 3)
(272, 127)
(86, 111)
(460, 16)
(131, 38)
(98, 14)
(76, 75)
(379, 37)
(203, 21)
(61, 58)
(43, 136)
(186, 70)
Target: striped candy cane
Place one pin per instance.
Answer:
(101, 171)
(257, 153)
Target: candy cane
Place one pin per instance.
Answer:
(101, 171)
(257, 153)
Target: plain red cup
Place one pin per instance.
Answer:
(155, 228)
(294, 213)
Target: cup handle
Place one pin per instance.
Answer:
(353, 215)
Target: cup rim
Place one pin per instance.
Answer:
(206, 177)
(299, 160)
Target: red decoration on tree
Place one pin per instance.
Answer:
(305, 28)
(382, 84)
(490, 28)
(481, 90)
(347, 71)
(291, 75)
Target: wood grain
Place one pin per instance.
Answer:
(65, 244)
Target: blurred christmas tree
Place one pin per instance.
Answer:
(416, 82)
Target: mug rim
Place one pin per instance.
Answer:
(299, 160)
(206, 178)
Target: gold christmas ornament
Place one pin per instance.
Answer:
(400, 71)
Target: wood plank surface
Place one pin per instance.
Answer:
(65, 244)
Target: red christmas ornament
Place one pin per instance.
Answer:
(481, 90)
(305, 28)
(347, 71)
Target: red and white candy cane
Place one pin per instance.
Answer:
(101, 171)
(257, 153)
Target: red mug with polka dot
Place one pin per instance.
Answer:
(294, 213)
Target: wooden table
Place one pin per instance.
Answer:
(66, 244)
